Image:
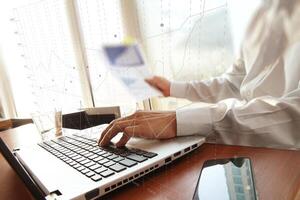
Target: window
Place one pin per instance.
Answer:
(40, 57)
(186, 39)
(191, 39)
(240, 197)
(237, 180)
(236, 171)
(101, 23)
(239, 189)
(52, 48)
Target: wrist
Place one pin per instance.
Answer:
(178, 89)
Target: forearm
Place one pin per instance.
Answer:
(266, 121)
(215, 89)
(210, 91)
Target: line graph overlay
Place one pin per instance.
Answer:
(48, 56)
(194, 42)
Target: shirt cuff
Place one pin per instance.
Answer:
(194, 120)
(178, 89)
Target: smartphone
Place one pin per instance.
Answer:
(226, 179)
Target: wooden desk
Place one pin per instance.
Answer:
(277, 172)
(12, 123)
(5, 124)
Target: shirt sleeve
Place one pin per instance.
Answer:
(215, 89)
(265, 121)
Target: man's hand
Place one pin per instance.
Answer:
(151, 125)
(161, 84)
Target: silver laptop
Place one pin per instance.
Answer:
(73, 166)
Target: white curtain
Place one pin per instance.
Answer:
(7, 106)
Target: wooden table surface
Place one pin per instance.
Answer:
(5, 124)
(276, 172)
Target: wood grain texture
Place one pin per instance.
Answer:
(276, 172)
(5, 124)
(12, 123)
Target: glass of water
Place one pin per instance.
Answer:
(49, 124)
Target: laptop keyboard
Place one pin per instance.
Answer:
(84, 155)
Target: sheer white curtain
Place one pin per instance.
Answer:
(52, 49)
(191, 40)
(102, 22)
(7, 107)
(42, 57)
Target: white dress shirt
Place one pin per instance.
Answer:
(257, 101)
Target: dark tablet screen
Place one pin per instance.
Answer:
(226, 179)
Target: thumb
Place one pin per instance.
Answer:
(151, 81)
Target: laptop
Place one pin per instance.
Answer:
(73, 166)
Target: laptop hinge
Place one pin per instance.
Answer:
(54, 195)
